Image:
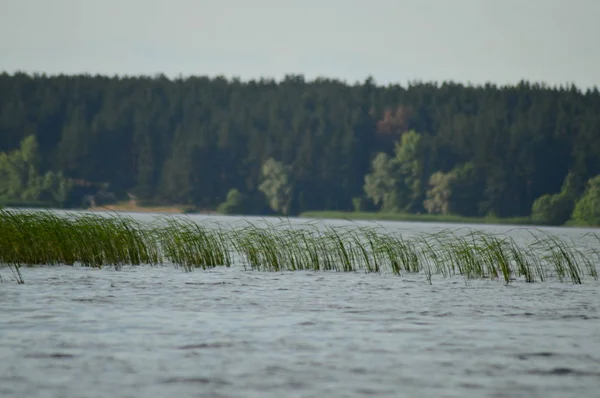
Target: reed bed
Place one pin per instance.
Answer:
(97, 240)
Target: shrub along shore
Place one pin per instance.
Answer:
(29, 238)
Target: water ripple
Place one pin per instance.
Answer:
(157, 332)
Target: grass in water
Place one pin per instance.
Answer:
(97, 240)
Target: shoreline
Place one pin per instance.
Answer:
(132, 207)
(431, 218)
(137, 209)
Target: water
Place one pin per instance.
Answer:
(156, 332)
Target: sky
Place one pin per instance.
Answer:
(394, 41)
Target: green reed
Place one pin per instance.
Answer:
(42, 238)
(189, 245)
(97, 240)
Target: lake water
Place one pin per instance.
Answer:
(227, 332)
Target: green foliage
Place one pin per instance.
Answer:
(556, 209)
(30, 151)
(395, 183)
(409, 161)
(236, 203)
(439, 193)
(358, 203)
(452, 192)
(189, 140)
(381, 186)
(277, 185)
(587, 208)
(551, 209)
(572, 186)
(20, 179)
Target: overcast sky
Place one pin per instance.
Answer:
(552, 41)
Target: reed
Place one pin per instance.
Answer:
(97, 240)
(189, 245)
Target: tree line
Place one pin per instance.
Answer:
(286, 147)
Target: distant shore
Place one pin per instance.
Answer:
(438, 218)
(377, 216)
(133, 207)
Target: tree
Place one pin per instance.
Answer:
(189, 140)
(439, 193)
(556, 209)
(277, 185)
(466, 187)
(452, 192)
(30, 151)
(381, 185)
(20, 179)
(236, 203)
(551, 209)
(395, 183)
(409, 160)
(587, 208)
(12, 175)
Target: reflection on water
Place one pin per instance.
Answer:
(156, 332)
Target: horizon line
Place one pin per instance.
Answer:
(295, 75)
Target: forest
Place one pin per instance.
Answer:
(294, 145)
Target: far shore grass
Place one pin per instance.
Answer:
(380, 216)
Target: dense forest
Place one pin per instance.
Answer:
(296, 145)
